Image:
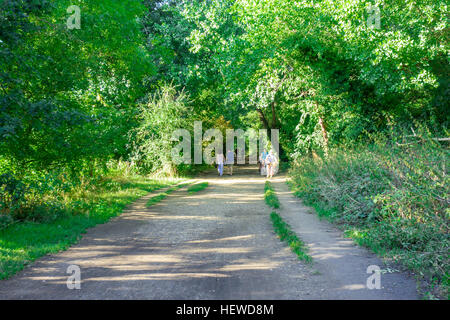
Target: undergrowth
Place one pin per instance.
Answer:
(390, 196)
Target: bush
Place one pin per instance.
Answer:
(41, 196)
(391, 195)
(12, 194)
(164, 112)
(5, 221)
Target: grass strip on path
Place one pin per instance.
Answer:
(163, 195)
(282, 229)
(270, 197)
(197, 187)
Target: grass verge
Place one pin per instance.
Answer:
(23, 242)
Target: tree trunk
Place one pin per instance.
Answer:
(263, 119)
(324, 134)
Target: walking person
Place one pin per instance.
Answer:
(220, 159)
(230, 160)
(271, 162)
(262, 164)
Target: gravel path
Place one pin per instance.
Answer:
(216, 244)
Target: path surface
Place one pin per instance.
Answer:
(216, 244)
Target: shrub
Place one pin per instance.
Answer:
(5, 221)
(391, 195)
(164, 112)
(12, 194)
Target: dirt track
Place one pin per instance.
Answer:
(215, 244)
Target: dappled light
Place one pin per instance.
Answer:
(213, 238)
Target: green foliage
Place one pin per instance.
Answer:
(20, 201)
(392, 195)
(68, 98)
(77, 106)
(297, 64)
(165, 111)
(68, 95)
(12, 193)
(5, 221)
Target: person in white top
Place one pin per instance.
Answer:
(271, 162)
(262, 164)
(220, 159)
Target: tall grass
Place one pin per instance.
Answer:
(391, 196)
